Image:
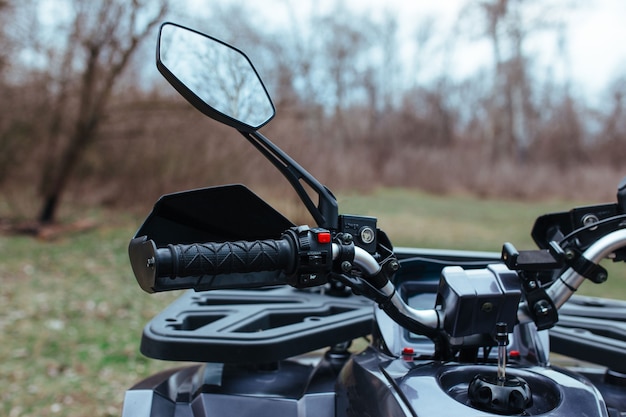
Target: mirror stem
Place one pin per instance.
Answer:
(326, 212)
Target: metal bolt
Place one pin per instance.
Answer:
(346, 266)
(590, 219)
(569, 254)
(602, 276)
(394, 265)
(151, 262)
(487, 307)
(542, 308)
(347, 238)
(532, 285)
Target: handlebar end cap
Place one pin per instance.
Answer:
(142, 253)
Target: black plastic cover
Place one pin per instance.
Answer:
(555, 226)
(254, 326)
(476, 300)
(214, 214)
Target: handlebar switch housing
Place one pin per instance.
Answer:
(313, 256)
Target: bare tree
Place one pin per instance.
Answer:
(5, 8)
(512, 107)
(613, 133)
(96, 48)
(346, 42)
(510, 104)
(13, 123)
(382, 80)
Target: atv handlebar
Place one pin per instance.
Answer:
(570, 280)
(305, 257)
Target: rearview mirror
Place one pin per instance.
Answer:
(214, 77)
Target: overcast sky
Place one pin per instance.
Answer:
(596, 33)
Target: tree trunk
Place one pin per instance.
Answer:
(108, 45)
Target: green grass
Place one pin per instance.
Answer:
(413, 218)
(71, 316)
(71, 313)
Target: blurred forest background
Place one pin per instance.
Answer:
(86, 120)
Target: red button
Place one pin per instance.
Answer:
(323, 237)
(408, 353)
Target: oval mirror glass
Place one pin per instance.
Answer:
(216, 78)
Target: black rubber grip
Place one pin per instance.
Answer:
(224, 258)
(205, 266)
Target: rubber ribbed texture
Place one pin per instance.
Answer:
(225, 258)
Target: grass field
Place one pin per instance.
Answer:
(70, 318)
(71, 314)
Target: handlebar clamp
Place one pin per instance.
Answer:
(593, 272)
